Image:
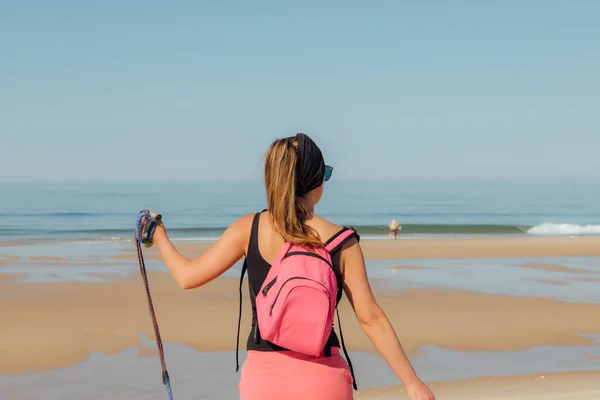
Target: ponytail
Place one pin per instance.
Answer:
(288, 215)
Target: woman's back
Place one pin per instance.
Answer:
(270, 242)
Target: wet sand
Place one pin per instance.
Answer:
(132, 375)
(582, 385)
(53, 325)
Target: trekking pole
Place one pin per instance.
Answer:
(145, 227)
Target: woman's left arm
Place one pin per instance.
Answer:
(221, 256)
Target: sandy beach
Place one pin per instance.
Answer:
(47, 326)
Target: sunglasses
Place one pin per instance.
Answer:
(328, 172)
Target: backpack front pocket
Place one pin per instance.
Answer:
(298, 316)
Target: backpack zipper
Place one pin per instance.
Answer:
(283, 284)
(268, 286)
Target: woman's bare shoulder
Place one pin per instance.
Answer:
(325, 228)
(243, 225)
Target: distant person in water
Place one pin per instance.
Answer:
(295, 175)
(394, 229)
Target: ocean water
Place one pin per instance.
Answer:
(200, 211)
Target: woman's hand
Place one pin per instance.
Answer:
(160, 228)
(419, 391)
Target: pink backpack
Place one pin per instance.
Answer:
(296, 305)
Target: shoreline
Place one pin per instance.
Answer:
(365, 236)
(446, 248)
(373, 249)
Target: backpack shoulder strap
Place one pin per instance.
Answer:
(333, 245)
(338, 240)
(237, 344)
(354, 384)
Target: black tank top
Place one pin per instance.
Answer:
(258, 268)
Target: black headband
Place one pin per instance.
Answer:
(310, 167)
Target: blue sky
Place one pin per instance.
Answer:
(120, 90)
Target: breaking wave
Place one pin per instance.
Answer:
(550, 229)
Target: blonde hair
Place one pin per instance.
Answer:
(288, 215)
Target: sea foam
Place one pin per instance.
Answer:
(549, 228)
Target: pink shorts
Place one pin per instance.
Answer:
(286, 375)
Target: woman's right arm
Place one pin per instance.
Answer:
(222, 255)
(375, 323)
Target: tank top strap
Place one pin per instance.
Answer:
(252, 254)
(253, 242)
